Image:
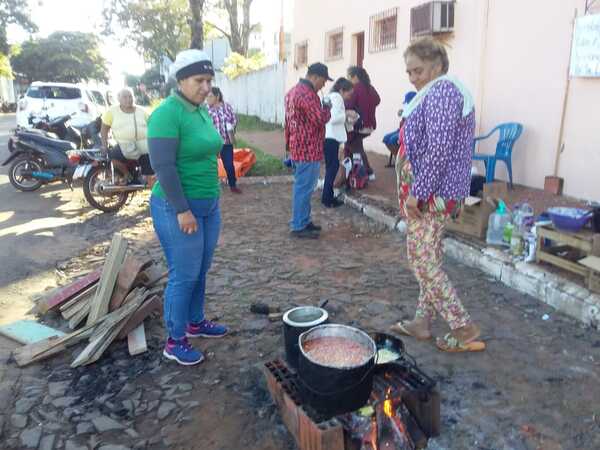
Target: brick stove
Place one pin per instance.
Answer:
(418, 417)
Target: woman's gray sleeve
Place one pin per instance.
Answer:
(163, 155)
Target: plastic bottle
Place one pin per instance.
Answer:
(496, 224)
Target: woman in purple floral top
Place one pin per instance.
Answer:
(433, 171)
(225, 122)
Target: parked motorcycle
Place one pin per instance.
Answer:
(40, 158)
(105, 186)
(58, 128)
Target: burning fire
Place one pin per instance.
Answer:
(388, 407)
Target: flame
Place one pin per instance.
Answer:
(373, 439)
(388, 408)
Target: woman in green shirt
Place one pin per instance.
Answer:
(184, 145)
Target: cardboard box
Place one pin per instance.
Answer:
(473, 220)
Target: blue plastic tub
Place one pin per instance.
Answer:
(569, 219)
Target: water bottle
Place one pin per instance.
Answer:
(496, 224)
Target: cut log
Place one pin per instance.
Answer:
(136, 340)
(114, 261)
(65, 294)
(154, 303)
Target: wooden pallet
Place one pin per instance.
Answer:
(568, 249)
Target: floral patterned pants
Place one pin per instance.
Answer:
(424, 249)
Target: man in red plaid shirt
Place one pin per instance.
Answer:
(305, 121)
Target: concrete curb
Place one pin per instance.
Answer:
(554, 290)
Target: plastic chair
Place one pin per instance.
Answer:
(508, 135)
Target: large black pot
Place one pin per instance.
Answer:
(335, 390)
(295, 322)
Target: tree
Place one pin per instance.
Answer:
(63, 56)
(154, 27)
(14, 12)
(239, 31)
(236, 64)
(196, 24)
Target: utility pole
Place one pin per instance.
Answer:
(281, 37)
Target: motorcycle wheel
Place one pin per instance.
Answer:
(20, 182)
(103, 202)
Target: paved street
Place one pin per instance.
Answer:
(536, 387)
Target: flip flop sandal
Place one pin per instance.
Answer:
(401, 329)
(450, 344)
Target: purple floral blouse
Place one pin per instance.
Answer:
(223, 115)
(439, 144)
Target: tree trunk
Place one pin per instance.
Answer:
(240, 33)
(196, 26)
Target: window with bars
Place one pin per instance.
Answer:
(334, 44)
(301, 53)
(383, 31)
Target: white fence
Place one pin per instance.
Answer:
(259, 93)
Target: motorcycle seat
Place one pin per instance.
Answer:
(46, 139)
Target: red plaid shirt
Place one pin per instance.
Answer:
(221, 116)
(305, 121)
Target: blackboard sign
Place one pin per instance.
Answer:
(585, 56)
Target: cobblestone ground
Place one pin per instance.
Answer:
(536, 387)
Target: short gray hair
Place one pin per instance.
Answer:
(428, 49)
(125, 90)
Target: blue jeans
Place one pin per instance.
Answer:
(189, 257)
(227, 159)
(332, 164)
(306, 175)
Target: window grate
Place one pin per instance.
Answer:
(383, 31)
(301, 53)
(334, 44)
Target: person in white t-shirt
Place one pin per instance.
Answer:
(127, 122)
(335, 135)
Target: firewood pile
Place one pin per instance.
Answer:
(105, 305)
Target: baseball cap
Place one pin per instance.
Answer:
(191, 62)
(320, 70)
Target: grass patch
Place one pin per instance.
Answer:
(253, 123)
(266, 165)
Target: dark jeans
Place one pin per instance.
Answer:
(227, 158)
(332, 164)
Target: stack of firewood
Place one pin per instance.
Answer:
(107, 304)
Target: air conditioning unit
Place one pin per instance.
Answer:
(432, 18)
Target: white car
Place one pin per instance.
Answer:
(58, 99)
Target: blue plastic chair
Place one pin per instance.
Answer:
(509, 133)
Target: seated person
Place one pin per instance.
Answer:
(128, 124)
(391, 139)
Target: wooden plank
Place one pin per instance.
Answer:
(68, 292)
(593, 262)
(80, 316)
(28, 331)
(136, 340)
(106, 333)
(88, 292)
(126, 279)
(154, 303)
(114, 260)
(581, 240)
(562, 263)
(48, 347)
